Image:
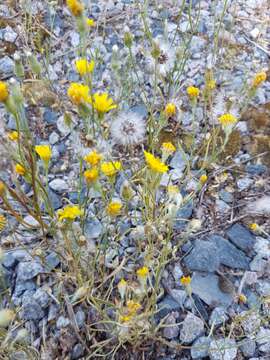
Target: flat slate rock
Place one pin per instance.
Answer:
(241, 237)
(203, 257)
(206, 287)
(229, 254)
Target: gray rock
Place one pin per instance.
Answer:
(52, 261)
(203, 257)
(171, 331)
(258, 264)
(256, 169)
(22, 286)
(244, 183)
(179, 296)
(28, 270)
(200, 348)
(248, 347)
(263, 288)
(53, 138)
(55, 200)
(197, 44)
(241, 237)
(222, 206)
(250, 321)
(12, 258)
(263, 340)
(206, 287)
(93, 228)
(62, 127)
(223, 349)
(31, 310)
(62, 322)
(6, 67)
(218, 316)
(80, 318)
(77, 352)
(59, 185)
(50, 116)
(193, 327)
(178, 161)
(228, 254)
(9, 35)
(182, 215)
(53, 312)
(262, 247)
(167, 305)
(42, 298)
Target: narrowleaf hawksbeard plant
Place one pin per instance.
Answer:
(134, 141)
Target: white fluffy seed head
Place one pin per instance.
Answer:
(115, 48)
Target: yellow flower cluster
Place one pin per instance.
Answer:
(227, 119)
(84, 67)
(114, 208)
(70, 212)
(254, 226)
(44, 152)
(193, 92)
(185, 280)
(143, 272)
(154, 163)
(3, 91)
(259, 79)
(13, 135)
(168, 147)
(79, 93)
(131, 310)
(90, 22)
(211, 84)
(93, 158)
(20, 170)
(75, 7)
(91, 175)
(203, 178)
(111, 168)
(170, 110)
(103, 103)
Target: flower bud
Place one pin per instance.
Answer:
(34, 64)
(18, 67)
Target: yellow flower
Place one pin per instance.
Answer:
(3, 222)
(20, 170)
(13, 135)
(133, 307)
(259, 78)
(154, 163)
(125, 318)
(111, 168)
(242, 298)
(79, 93)
(91, 175)
(168, 147)
(170, 109)
(70, 212)
(93, 158)
(203, 179)
(90, 22)
(102, 103)
(2, 188)
(3, 91)
(193, 92)
(173, 189)
(84, 67)
(143, 272)
(114, 208)
(254, 227)
(211, 84)
(75, 7)
(44, 151)
(185, 280)
(227, 119)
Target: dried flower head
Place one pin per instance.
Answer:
(133, 307)
(3, 91)
(168, 148)
(93, 158)
(193, 92)
(84, 67)
(20, 170)
(185, 280)
(259, 78)
(154, 163)
(44, 152)
(103, 103)
(111, 168)
(91, 175)
(227, 120)
(163, 55)
(70, 212)
(170, 110)
(114, 208)
(6, 316)
(75, 7)
(210, 84)
(13, 135)
(128, 128)
(122, 286)
(79, 94)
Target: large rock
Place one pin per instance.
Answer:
(203, 257)
(193, 327)
(28, 270)
(206, 287)
(200, 348)
(223, 349)
(241, 237)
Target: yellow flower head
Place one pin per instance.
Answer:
(227, 119)
(193, 92)
(90, 22)
(125, 318)
(254, 226)
(3, 222)
(79, 93)
(173, 189)
(20, 170)
(211, 84)
(13, 135)
(203, 178)
(143, 272)
(242, 298)
(170, 109)
(75, 7)
(185, 280)
(168, 147)
(111, 168)
(2, 188)
(132, 307)
(259, 78)
(154, 163)
(70, 212)
(44, 152)
(3, 91)
(93, 158)
(114, 208)
(102, 103)
(84, 67)
(91, 175)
